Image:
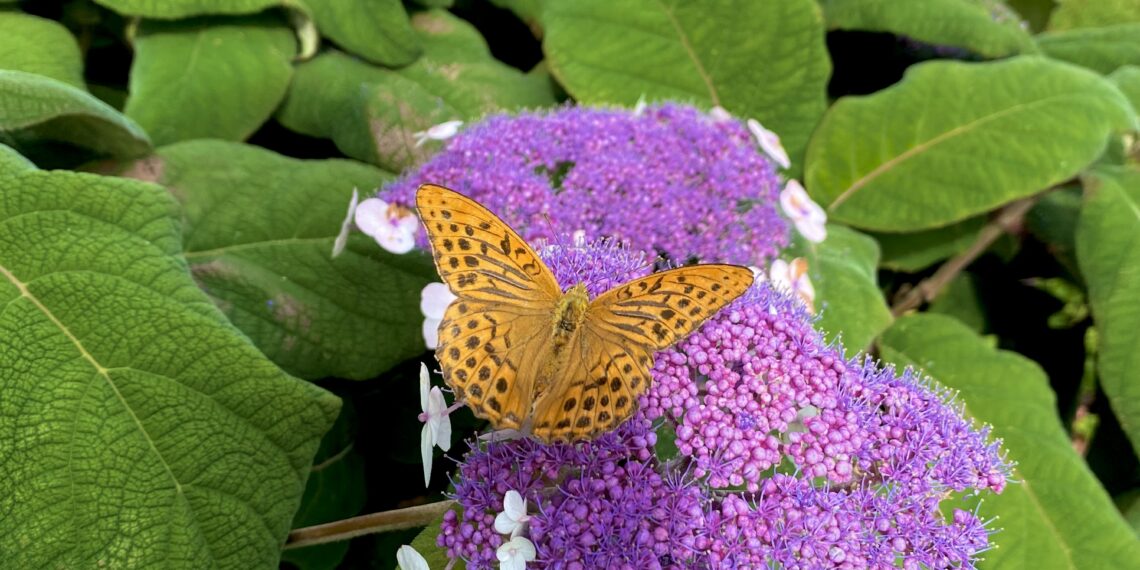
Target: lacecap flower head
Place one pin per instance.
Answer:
(788, 455)
(669, 180)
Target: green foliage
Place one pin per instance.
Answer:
(378, 31)
(36, 108)
(143, 429)
(1058, 516)
(916, 251)
(172, 9)
(1127, 79)
(313, 315)
(959, 23)
(842, 270)
(38, 45)
(761, 60)
(1093, 13)
(1108, 250)
(372, 113)
(239, 69)
(1100, 49)
(958, 131)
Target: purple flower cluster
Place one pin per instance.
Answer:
(668, 180)
(788, 456)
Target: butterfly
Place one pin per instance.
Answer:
(527, 356)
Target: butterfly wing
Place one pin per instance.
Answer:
(491, 334)
(609, 365)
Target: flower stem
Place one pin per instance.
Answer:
(411, 517)
(1007, 220)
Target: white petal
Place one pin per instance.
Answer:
(719, 114)
(425, 452)
(342, 238)
(443, 432)
(780, 274)
(372, 216)
(408, 558)
(639, 107)
(504, 524)
(438, 419)
(514, 505)
(421, 138)
(769, 143)
(812, 231)
(758, 274)
(434, 299)
(515, 553)
(396, 240)
(431, 332)
(443, 131)
(425, 386)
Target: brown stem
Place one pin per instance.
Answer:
(411, 517)
(1007, 219)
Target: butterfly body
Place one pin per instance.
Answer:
(524, 354)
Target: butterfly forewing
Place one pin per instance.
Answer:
(609, 366)
(491, 335)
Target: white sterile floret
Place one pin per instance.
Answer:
(794, 278)
(440, 132)
(719, 114)
(434, 299)
(769, 143)
(437, 423)
(513, 519)
(515, 553)
(810, 219)
(408, 558)
(342, 237)
(392, 226)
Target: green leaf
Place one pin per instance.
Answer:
(912, 252)
(371, 113)
(1093, 13)
(954, 140)
(1053, 220)
(436, 556)
(960, 300)
(35, 108)
(762, 60)
(41, 46)
(174, 9)
(1100, 49)
(142, 429)
(259, 229)
(377, 30)
(336, 490)
(1127, 79)
(1056, 514)
(1108, 250)
(209, 77)
(12, 162)
(958, 23)
(843, 271)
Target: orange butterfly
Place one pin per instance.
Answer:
(527, 356)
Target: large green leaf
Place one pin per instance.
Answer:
(259, 229)
(1055, 514)
(141, 429)
(954, 140)
(174, 9)
(764, 60)
(371, 113)
(1093, 13)
(1127, 79)
(1053, 220)
(1099, 49)
(34, 108)
(915, 251)
(843, 272)
(960, 23)
(377, 30)
(209, 77)
(960, 300)
(42, 46)
(1108, 251)
(336, 490)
